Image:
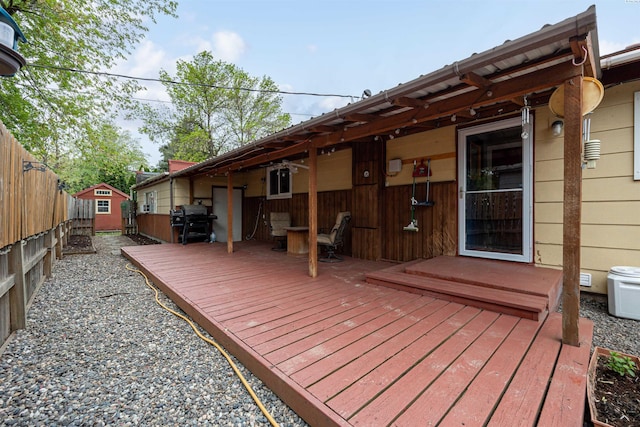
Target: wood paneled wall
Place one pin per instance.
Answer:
(329, 204)
(438, 232)
(368, 181)
(438, 224)
(157, 226)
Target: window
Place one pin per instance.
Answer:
(636, 136)
(102, 192)
(279, 183)
(103, 206)
(149, 202)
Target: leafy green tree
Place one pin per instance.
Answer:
(108, 155)
(216, 107)
(49, 107)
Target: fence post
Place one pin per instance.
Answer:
(17, 300)
(59, 241)
(49, 259)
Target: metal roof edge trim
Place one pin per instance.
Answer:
(580, 24)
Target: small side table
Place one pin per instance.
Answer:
(297, 240)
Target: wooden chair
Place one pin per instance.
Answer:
(277, 223)
(330, 242)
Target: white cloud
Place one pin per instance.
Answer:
(607, 47)
(312, 48)
(330, 104)
(228, 46)
(147, 60)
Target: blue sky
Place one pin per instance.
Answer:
(344, 47)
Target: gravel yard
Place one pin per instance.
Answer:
(99, 351)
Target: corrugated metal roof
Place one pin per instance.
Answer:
(539, 51)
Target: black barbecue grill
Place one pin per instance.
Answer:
(193, 221)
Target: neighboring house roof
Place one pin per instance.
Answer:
(150, 180)
(142, 176)
(100, 186)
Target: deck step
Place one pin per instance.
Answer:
(527, 306)
(512, 276)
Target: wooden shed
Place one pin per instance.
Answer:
(107, 200)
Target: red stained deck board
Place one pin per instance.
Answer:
(362, 392)
(368, 361)
(346, 349)
(317, 324)
(443, 393)
(484, 392)
(526, 391)
(305, 322)
(277, 307)
(290, 314)
(299, 354)
(395, 399)
(247, 303)
(564, 402)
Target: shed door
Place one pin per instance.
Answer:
(220, 210)
(495, 201)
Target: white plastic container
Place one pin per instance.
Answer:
(624, 292)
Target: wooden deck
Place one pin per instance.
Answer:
(341, 351)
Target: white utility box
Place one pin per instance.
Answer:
(624, 292)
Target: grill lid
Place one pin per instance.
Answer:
(194, 210)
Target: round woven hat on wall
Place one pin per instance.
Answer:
(592, 94)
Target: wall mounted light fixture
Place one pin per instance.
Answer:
(556, 127)
(27, 165)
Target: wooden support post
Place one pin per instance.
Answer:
(60, 240)
(17, 299)
(572, 210)
(230, 212)
(313, 212)
(50, 243)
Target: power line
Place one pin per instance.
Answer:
(174, 82)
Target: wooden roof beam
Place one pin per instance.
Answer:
(321, 129)
(404, 101)
(582, 50)
(505, 91)
(359, 117)
(473, 79)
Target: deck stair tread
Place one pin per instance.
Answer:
(474, 295)
(516, 277)
(511, 288)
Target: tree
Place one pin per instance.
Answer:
(216, 107)
(108, 155)
(49, 107)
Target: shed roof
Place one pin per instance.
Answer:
(484, 85)
(101, 185)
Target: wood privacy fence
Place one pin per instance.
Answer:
(35, 218)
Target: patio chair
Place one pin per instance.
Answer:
(277, 223)
(330, 242)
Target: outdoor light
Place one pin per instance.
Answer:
(454, 118)
(29, 165)
(556, 127)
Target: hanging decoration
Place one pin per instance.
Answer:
(419, 171)
(526, 120)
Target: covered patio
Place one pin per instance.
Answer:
(342, 351)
